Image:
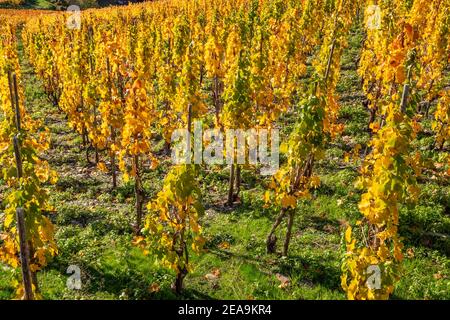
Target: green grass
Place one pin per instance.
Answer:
(29, 4)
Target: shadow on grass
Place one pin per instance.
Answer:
(76, 184)
(322, 223)
(135, 285)
(312, 271)
(426, 226)
(417, 237)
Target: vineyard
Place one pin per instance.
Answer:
(347, 100)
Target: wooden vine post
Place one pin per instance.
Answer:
(16, 102)
(231, 183)
(28, 277)
(405, 93)
(24, 255)
(24, 248)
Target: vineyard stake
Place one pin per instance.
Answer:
(16, 98)
(18, 157)
(24, 249)
(24, 255)
(405, 93)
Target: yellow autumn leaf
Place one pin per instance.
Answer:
(284, 148)
(224, 245)
(315, 182)
(383, 252)
(267, 196)
(289, 201)
(154, 287)
(53, 177)
(374, 126)
(42, 173)
(348, 234)
(102, 167)
(9, 218)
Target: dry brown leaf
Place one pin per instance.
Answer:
(285, 282)
(154, 287)
(216, 272)
(224, 245)
(410, 252)
(438, 276)
(210, 277)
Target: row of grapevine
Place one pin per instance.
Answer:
(402, 68)
(316, 125)
(22, 141)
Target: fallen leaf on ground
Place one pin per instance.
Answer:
(154, 287)
(224, 245)
(285, 282)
